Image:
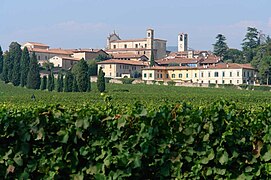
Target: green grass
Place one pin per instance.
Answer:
(128, 93)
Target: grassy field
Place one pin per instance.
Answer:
(146, 94)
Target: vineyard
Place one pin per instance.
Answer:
(135, 132)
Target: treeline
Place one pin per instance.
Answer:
(256, 49)
(19, 67)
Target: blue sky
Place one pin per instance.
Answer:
(87, 23)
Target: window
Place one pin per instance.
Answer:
(237, 81)
(144, 52)
(195, 75)
(145, 45)
(230, 74)
(110, 74)
(187, 75)
(172, 75)
(38, 57)
(149, 34)
(209, 74)
(136, 45)
(180, 75)
(45, 57)
(117, 74)
(145, 75)
(216, 81)
(230, 81)
(157, 75)
(125, 45)
(202, 74)
(166, 75)
(110, 66)
(223, 74)
(114, 47)
(201, 82)
(216, 74)
(209, 82)
(120, 66)
(150, 75)
(223, 81)
(238, 73)
(161, 76)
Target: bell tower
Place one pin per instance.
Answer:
(182, 42)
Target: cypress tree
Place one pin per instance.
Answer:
(25, 60)
(152, 59)
(101, 80)
(59, 83)
(50, 84)
(68, 82)
(43, 83)
(74, 85)
(4, 75)
(33, 76)
(1, 60)
(15, 56)
(82, 76)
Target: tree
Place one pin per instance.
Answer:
(15, 56)
(234, 55)
(264, 68)
(59, 83)
(1, 60)
(6, 65)
(101, 57)
(250, 43)
(101, 80)
(33, 76)
(68, 82)
(43, 83)
(25, 60)
(220, 46)
(152, 59)
(74, 85)
(50, 82)
(82, 77)
(92, 67)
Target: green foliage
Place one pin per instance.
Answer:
(101, 80)
(220, 46)
(171, 83)
(101, 57)
(6, 66)
(68, 82)
(59, 83)
(211, 85)
(1, 60)
(43, 83)
(74, 85)
(250, 43)
(15, 56)
(50, 83)
(127, 80)
(135, 141)
(33, 76)
(92, 67)
(152, 63)
(25, 61)
(80, 71)
(234, 56)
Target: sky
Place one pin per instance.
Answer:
(87, 23)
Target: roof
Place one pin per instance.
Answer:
(87, 50)
(128, 55)
(216, 66)
(37, 44)
(129, 62)
(211, 60)
(179, 60)
(67, 58)
(51, 51)
(129, 49)
(135, 40)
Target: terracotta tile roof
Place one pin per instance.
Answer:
(38, 44)
(129, 62)
(135, 40)
(179, 60)
(210, 60)
(169, 68)
(228, 66)
(127, 55)
(68, 58)
(51, 51)
(87, 50)
(129, 49)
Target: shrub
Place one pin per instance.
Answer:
(161, 82)
(127, 80)
(171, 83)
(211, 85)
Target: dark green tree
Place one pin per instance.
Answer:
(74, 85)
(43, 83)
(1, 60)
(80, 71)
(101, 57)
(25, 60)
(15, 56)
(92, 67)
(250, 43)
(68, 82)
(152, 63)
(33, 76)
(59, 83)
(50, 83)
(101, 80)
(220, 46)
(6, 65)
(234, 56)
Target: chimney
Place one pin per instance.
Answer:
(227, 65)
